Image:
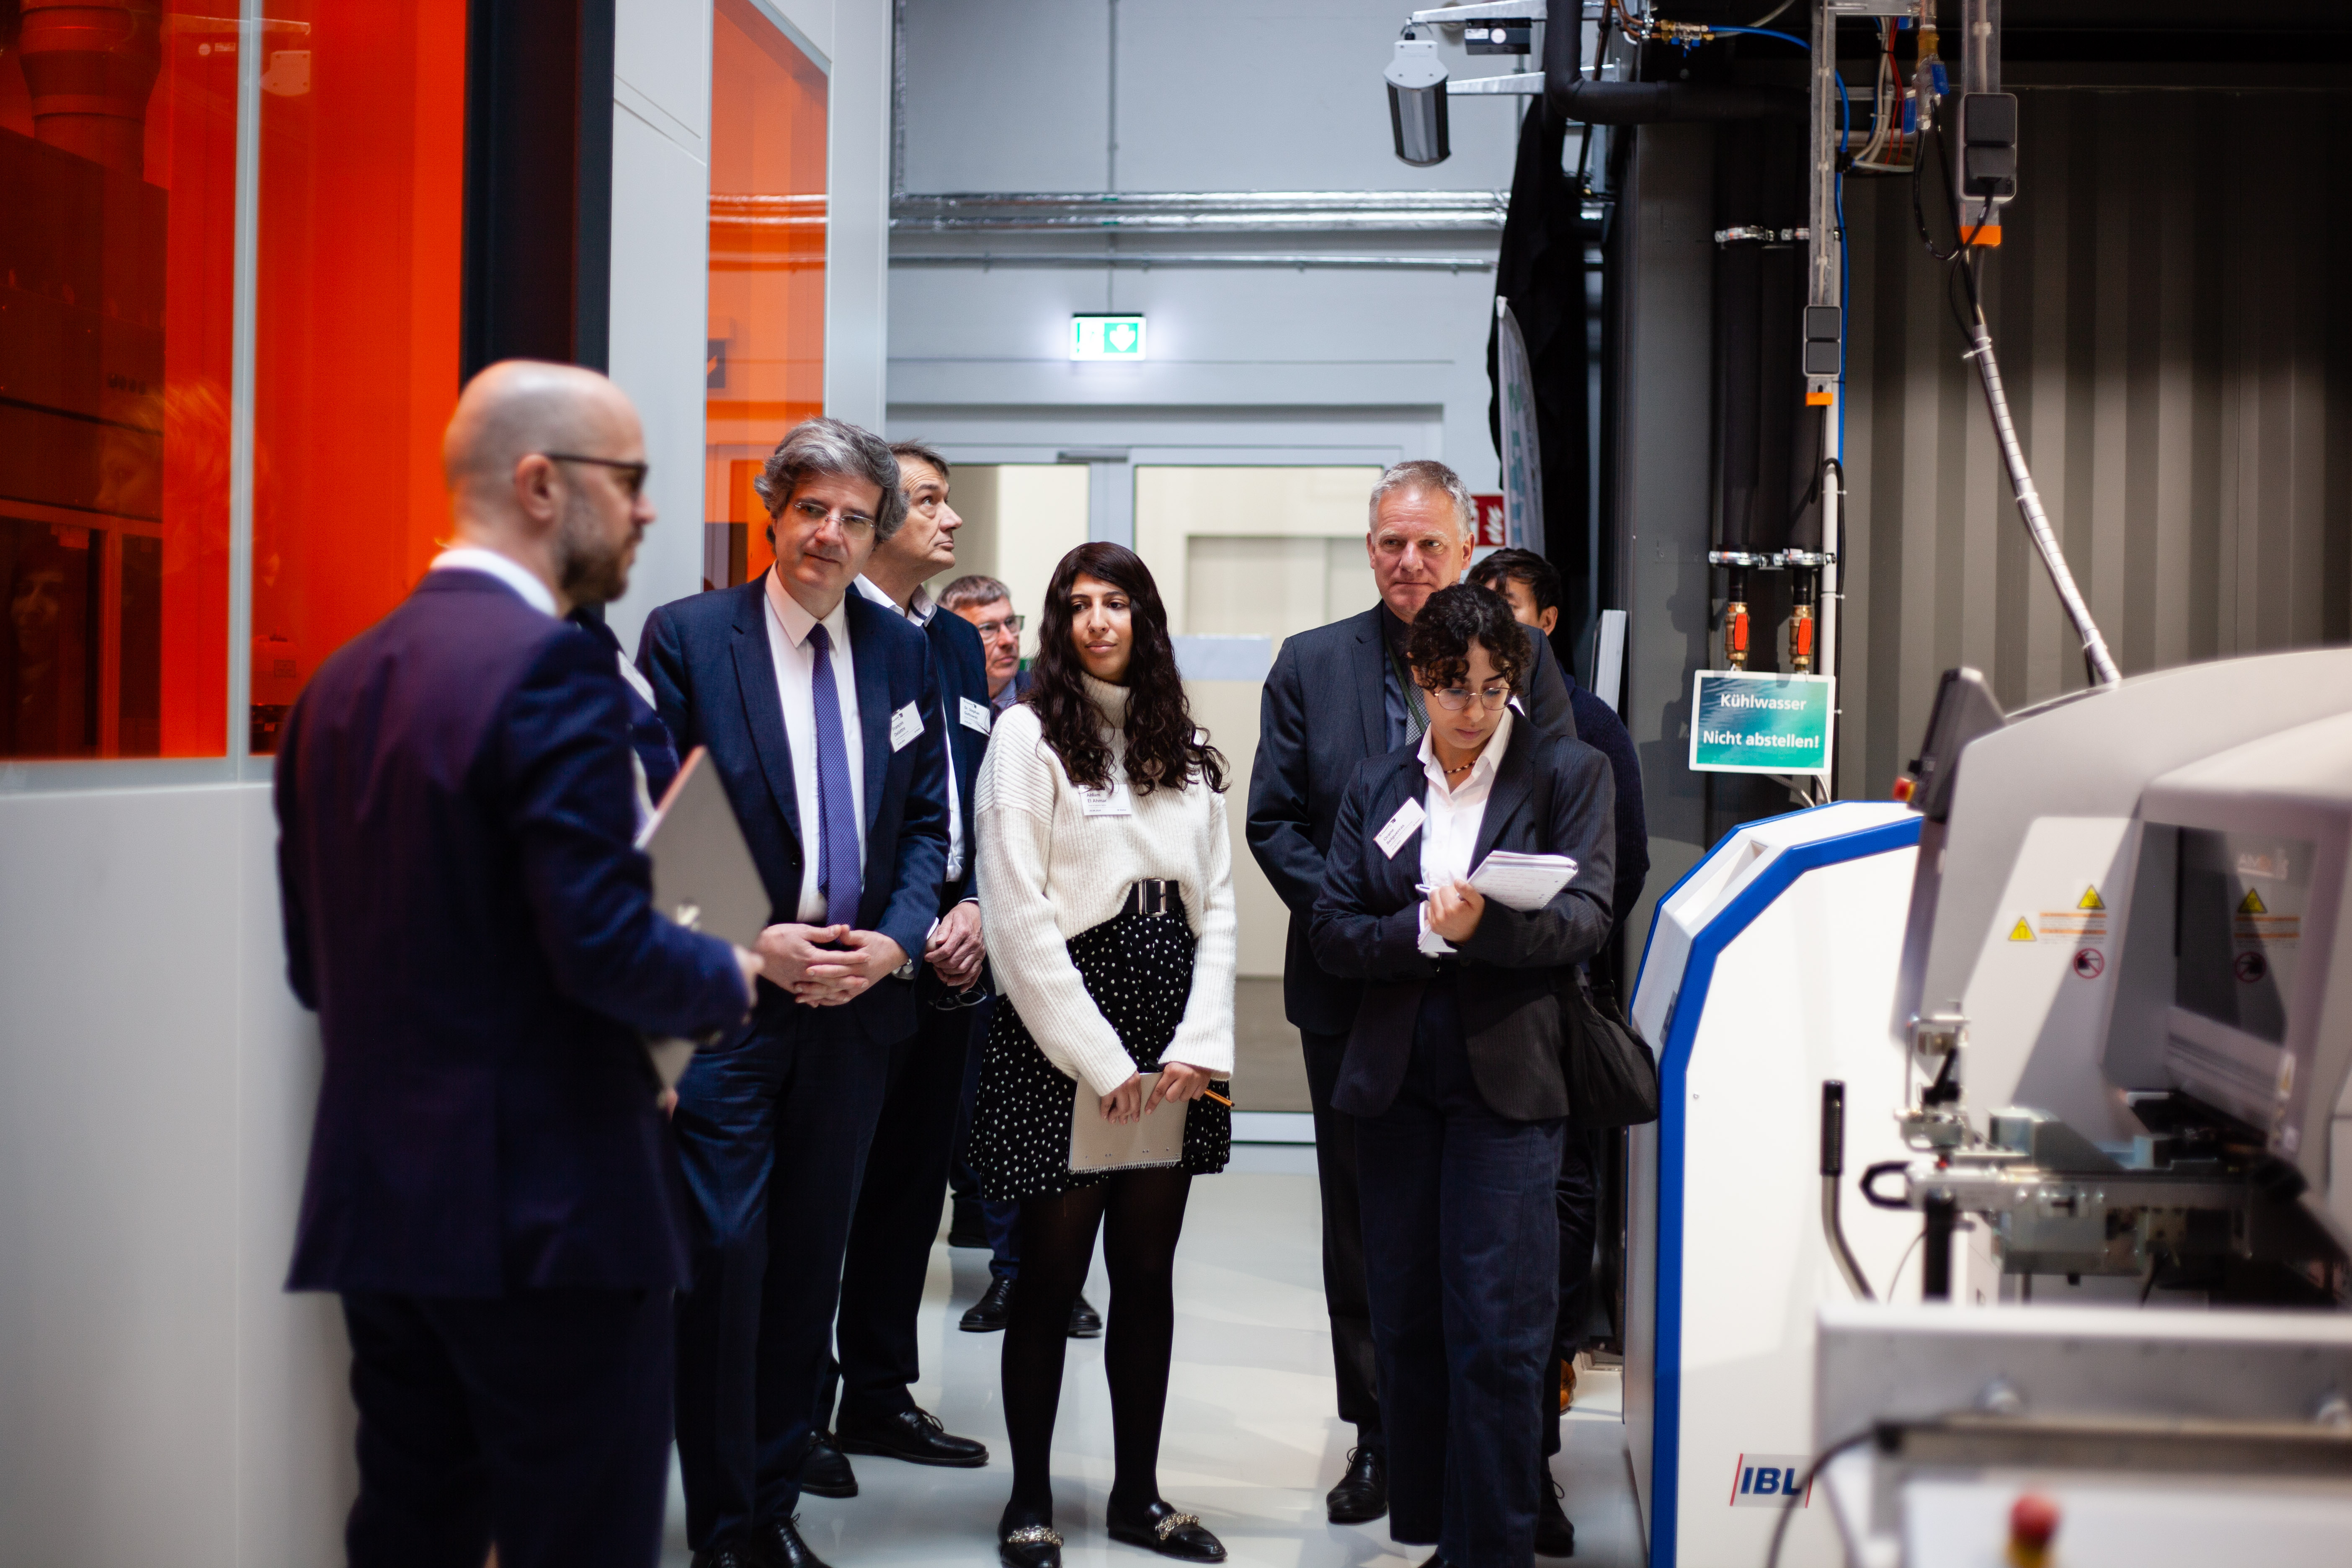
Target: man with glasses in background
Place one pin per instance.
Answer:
(987, 603)
(1338, 695)
(818, 707)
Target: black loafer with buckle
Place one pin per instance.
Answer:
(1160, 1528)
(1028, 1543)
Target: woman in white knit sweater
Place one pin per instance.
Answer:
(1105, 891)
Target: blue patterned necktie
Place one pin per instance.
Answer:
(837, 873)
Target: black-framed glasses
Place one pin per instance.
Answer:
(631, 473)
(988, 629)
(1454, 699)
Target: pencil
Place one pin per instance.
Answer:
(1220, 1099)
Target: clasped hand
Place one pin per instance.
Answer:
(824, 966)
(954, 950)
(1179, 1081)
(1454, 910)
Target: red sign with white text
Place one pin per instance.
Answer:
(1490, 520)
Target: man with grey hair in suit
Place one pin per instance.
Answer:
(1338, 695)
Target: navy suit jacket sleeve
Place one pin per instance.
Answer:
(661, 662)
(1598, 726)
(293, 874)
(1548, 698)
(1281, 827)
(923, 829)
(589, 888)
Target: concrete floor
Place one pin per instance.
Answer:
(1250, 1442)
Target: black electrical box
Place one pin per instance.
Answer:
(1989, 146)
(1497, 37)
(1821, 353)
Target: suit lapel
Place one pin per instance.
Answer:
(1397, 875)
(755, 678)
(1514, 782)
(1370, 666)
(873, 699)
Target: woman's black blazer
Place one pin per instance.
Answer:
(1552, 794)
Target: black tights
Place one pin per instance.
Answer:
(1146, 1210)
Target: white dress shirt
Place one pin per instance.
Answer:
(1450, 833)
(474, 558)
(920, 609)
(789, 625)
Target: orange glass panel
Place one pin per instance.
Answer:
(766, 348)
(118, 192)
(362, 189)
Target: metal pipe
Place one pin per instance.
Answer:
(1144, 261)
(2101, 663)
(1199, 212)
(1832, 1171)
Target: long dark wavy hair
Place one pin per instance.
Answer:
(1162, 745)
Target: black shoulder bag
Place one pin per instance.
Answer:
(1613, 1079)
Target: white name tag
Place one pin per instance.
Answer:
(1401, 827)
(1112, 802)
(905, 725)
(975, 714)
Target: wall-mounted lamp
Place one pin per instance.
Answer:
(1417, 101)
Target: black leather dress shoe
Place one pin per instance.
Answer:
(1555, 1536)
(1028, 1543)
(991, 1312)
(782, 1537)
(1160, 1528)
(966, 1227)
(727, 1554)
(1362, 1494)
(914, 1436)
(1086, 1323)
(825, 1473)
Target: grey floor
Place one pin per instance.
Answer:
(1251, 1439)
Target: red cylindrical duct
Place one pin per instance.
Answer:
(89, 68)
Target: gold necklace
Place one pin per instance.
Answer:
(1462, 769)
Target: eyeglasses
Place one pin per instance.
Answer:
(630, 475)
(856, 524)
(989, 629)
(1454, 699)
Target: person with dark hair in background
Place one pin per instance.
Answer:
(898, 1216)
(1336, 695)
(1453, 1070)
(1108, 896)
(817, 707)
(1530, 584)
(490, 1186)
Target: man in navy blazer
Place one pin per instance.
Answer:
(1336, 695)
(819, 708)
(897, 1216)
(490, 1184)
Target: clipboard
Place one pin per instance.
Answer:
(1098, 1144)
(704, 877)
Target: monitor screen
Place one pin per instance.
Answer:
(2239, 927)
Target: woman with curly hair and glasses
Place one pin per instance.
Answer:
(1452, 1072)
(1106, 894)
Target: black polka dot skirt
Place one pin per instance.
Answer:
(1138, 970)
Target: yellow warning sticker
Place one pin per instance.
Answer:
(2021, 931)
(2251, 904)
(2090, 899)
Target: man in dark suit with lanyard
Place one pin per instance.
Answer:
(490, 1185)
(818, 707)
(907, 1169)
(1336, 695)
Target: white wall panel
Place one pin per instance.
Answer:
(857, 235)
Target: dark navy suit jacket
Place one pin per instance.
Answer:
(714, 682)
(1598, 726)
(464, 910)
(961, 665)
(1552, 796)
(1323, 711)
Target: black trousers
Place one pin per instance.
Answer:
(1577, 1198)
(539, 1421)
(897, 1216)
(1344, 1295)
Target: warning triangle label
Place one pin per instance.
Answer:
(2251, 904)
(2021, 931)
(2090, 899)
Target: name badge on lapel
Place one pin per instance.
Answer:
(975, 714)
(1401, 827)
(1113, 801)
(905, 725)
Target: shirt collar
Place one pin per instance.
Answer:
(1482, 771)
(474, 558)
(919, 607)
(795, 618)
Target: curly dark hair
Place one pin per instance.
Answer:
(1162, 745)
(1453, 618)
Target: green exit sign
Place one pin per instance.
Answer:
(1106, 337)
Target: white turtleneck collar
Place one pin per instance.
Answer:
(1111, 699)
